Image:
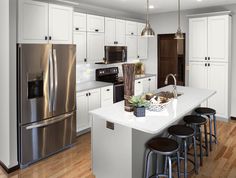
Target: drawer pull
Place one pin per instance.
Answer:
(110, 125)
(108, 89)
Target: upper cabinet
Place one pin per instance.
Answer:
(142, 47)
(95, 23)
(80, 22)
(131, 28)
(114, 32)
(131, 42)
(60, 24)
(80, 40)
(44, 23)
(33, 22)
(209, 38)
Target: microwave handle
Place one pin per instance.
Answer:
(123, 54)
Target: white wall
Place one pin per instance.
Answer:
(167, 23)
(8, 137)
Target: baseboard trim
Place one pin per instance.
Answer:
(233, 118)
(9, 170)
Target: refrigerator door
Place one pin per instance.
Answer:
(35, 82)
(64, 79)
(42, 139)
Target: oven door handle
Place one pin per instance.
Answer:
(122, 84)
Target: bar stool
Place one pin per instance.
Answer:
(196, 122)
(184, 133)
(211, 115)
(165, 147)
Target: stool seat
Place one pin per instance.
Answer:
(164, 146)
(195, 120)
(181, 131)
(205, 111)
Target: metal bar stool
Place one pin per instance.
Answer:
(165, 147)
(196, 122)
(211, 115)
(184, 133)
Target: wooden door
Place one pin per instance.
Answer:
(171, 59)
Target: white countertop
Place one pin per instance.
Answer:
(155, 122)
(91, 85)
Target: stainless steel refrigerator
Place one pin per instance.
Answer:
(46, 100)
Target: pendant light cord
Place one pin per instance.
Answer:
(147, 11)
(178, 14)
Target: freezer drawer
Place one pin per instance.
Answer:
(44, 138)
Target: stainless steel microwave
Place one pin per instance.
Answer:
(115, 54)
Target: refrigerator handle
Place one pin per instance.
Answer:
(50, 83)
(55, 79)
(49, 121)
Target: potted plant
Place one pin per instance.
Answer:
(139, 104)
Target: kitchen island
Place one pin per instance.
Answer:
(118, 137)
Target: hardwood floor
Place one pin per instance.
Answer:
(76, 161)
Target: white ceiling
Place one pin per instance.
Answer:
(138, 6)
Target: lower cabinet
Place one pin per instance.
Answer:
(138, 87)
(86, 101)
(106, 96)
(144, 85)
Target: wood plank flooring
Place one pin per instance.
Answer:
(76, 161)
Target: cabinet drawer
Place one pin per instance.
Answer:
(107, 93)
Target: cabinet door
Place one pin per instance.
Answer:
(120, 32)
(81, 46)
(95, 47)
(218, 38)
(94, 99)
(131, 28)
(106, 96)
(33, 22)
(146, 85)
(197, 39)
(218, 81)
(82, 111)
(138, 88)
(80, 22)
(142, 47)
(152, 83)
(60, 24)
(95, 23)
(141, 26)
(110, 31)
(198, 75)
(131, 42)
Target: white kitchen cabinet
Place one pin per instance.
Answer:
(149, 84)
(95, 23)
(95, 47)
(106, 96)
(81, 46)
(138, 87)
(142, 47)
(114, 32)
(131, 28)
(80, 22)
(131, 42)
(198, 75)
(141, 26)
(198, 39)
(32, 22)
(44, 23)
(86, 101)
(60, 24)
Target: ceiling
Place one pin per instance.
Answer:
(138, 6)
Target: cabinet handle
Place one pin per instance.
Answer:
(205, 64)
(96, 30)
(138, 56)
(209, 58)
(89, 94)
(76, 28)
(86, 94)
(50, 38)
(85, 60)
(139, 82)
(209, 64)
(205, 58)
(132, 33)
(46, 38)
(108, 89)
(149, 79)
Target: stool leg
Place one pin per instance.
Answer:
(170, 167)
(214, 117)
(165, 168)
(206, 140)
(185, 159)
(210, 126)
(200, 140)
(148, 157)
(178, 164)
(195, 155)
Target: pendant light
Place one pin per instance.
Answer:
(179, 35)
(148, 31)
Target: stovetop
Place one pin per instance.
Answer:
(109, 75)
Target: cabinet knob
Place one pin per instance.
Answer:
(50, 38)
(138, 56)
(46, 38)
(149, 79)
(86, 94)
(209, 64)
(209, 58)
(96, 30)
(76, 28)
(205, 58)
(139, 82)
(89, 94)
(132, 33)
(85, 60)
(108, 89)
(205, 64)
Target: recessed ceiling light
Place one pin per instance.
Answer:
(151, 7)
(199, 0)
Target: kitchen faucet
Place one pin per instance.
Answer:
(175, 83)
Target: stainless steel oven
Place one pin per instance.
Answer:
(115, 54)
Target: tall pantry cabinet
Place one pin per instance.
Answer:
(210, 59)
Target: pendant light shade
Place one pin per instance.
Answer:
(179, 35)
(148, 31)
